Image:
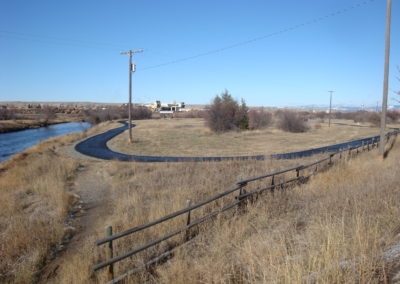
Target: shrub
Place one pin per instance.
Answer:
(190, 114)
(291, 122)
(374, 118)
(48, 113)
(242, 116)
(6, 114)
(226, 114)
(97, 116)
(393, 116)
(141, 112)
(359, 116)
(259, 119)
(321, 114)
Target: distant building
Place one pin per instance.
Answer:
(166, 108)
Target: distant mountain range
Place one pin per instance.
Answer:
(344, 107)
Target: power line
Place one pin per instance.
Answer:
(59, 40)
(285, 30)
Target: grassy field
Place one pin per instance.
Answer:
(334, 229)
(190, 137)
(342, 227)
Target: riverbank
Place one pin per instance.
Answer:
(17, 141)
(17, 125)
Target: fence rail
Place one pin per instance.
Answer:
(301, 175)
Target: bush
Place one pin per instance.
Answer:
(393, 116)
(321, 115)
(242, 116)
(48, 113)
(259, 119)
(97, 116)
(190, 114)
(226, 114)
(291, 122)
(6, 114)
(141, 112)
(374, 118)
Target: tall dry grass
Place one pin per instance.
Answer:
(293, 237)
(333, 230)
(142, 192)
(34, 202)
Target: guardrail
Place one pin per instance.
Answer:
(276, 180)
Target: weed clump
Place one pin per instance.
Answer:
(291, 122)
(101, 115)
(259, 119)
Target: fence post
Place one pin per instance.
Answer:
(188, 204)
(273, 183)
(110, 253)
(187, 233)
(330, 159)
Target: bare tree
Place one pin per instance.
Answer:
(48, 113)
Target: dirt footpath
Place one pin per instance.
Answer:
(92, 192)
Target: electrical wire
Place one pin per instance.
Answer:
(246, 42)
(59, 40)
(114, 47)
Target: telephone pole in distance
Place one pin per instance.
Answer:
(330, 107)
(130, 70)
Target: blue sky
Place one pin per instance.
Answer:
(69, 50)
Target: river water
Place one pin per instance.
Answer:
(14, 142)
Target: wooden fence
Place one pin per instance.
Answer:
(240, 196)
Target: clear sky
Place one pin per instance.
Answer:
(69, 50)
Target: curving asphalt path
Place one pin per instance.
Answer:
(96, 146)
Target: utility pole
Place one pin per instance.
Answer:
(130, 70)
(385, 80)
(330, 107)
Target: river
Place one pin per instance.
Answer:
(14, 142)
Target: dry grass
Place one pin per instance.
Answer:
(142, 192)
(189, 137)
(34, 203)
(332, 230)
